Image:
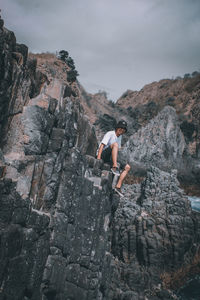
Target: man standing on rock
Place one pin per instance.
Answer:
(108, 151)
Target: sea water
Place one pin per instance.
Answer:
(191, 291)
(195, 202)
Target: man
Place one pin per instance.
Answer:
(108, 151)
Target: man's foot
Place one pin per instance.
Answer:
(115, 171)
(118, 191)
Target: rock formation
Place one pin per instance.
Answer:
(181, 93)
(160, 143)
(141, 108)
(64, 234)
(152, 228)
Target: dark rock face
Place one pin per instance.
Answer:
(154, 231)
(63, 233)
(68, 192)
(63, 242)
(17, 79)
(79, 233)
(24, 245)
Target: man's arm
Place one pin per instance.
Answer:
(100, 151)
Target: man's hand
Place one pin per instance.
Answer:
(100, 151)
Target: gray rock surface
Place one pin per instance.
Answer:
(160, 143)
(154, 232)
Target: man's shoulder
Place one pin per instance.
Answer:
(109, 135)
(110, 132)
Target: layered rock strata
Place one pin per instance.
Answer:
(155, 238)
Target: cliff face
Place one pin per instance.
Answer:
(162, 143)
(143, 111)
(18, 78)
(182, 94)
(152, 228)
(54, 210)
(158, 136)
(64, 234)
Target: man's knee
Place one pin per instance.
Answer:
(127, 167)
(114, 145)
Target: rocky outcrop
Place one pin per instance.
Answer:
(154, 236)
(55, 204)
(140, 109)
(55, 201)
(63, 233)
(101, 111)
(160, 143)
(25, 236)
(18, 79)
(55, 239)
(183, 95)
(180, 93)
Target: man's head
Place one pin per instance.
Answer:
(121, 124)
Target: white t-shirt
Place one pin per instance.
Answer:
(110, 138)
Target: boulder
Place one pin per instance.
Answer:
(160, 143)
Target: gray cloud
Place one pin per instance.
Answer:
(116, 44)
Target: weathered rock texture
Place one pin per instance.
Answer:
(63, 233)
(154, 235)
(160, 143)
(182, 93)
(140, 109)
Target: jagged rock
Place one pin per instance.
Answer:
(23, 49)
(38, 124)
(182, 94)
(106, 122)
(24, 244)
(160, 143)
(1, 23)
(15, 80)
(49, 179)
(153, 232)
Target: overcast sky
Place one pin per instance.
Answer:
(116, 44)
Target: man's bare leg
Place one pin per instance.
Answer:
(114, 148)
(122, 176)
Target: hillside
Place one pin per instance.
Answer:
(183, 94)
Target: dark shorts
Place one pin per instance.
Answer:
(107, 158)
(107, 155)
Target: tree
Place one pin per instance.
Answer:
(63, 55)
(195, 73)
(72, 73)
(70, 63)
(187, 75)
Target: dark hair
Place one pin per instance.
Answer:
(121, 124)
